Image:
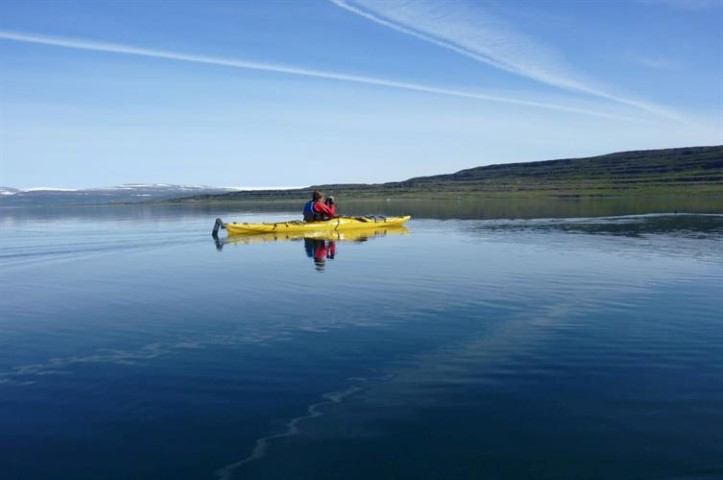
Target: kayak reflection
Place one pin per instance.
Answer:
(318, 246)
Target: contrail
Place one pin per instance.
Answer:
(485, 40)
(81, 44)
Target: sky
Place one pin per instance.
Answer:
(282, 93)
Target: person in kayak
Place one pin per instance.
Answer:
(316, 209)
(331, 203)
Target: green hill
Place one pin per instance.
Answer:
(693, 170)
(671, 169)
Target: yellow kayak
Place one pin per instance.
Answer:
(294, 226)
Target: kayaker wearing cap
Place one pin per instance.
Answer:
(316, 209)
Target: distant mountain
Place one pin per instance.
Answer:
(685, 171)
(102, 196)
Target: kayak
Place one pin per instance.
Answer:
(335, 224)
(298, 226)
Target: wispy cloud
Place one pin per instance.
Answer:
(83, 44)
(689, 5)
(473, 32)
(657, 62)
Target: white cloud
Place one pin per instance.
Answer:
(81, 44)
(471, 31)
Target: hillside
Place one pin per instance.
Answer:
(652, 169)
(693, 170)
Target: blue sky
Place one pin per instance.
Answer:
(294, 93)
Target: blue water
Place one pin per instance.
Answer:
(134, 347)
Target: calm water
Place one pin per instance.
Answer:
(134, 347)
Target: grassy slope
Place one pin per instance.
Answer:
(694, 170)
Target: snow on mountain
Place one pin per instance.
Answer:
(102, 195)
(48, 189)
(8, 191)
(125, 193)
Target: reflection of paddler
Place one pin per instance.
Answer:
(326, 250)
(320, 250)
(343, 236)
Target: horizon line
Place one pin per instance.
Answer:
(22, 190)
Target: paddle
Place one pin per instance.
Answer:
(367, 218)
